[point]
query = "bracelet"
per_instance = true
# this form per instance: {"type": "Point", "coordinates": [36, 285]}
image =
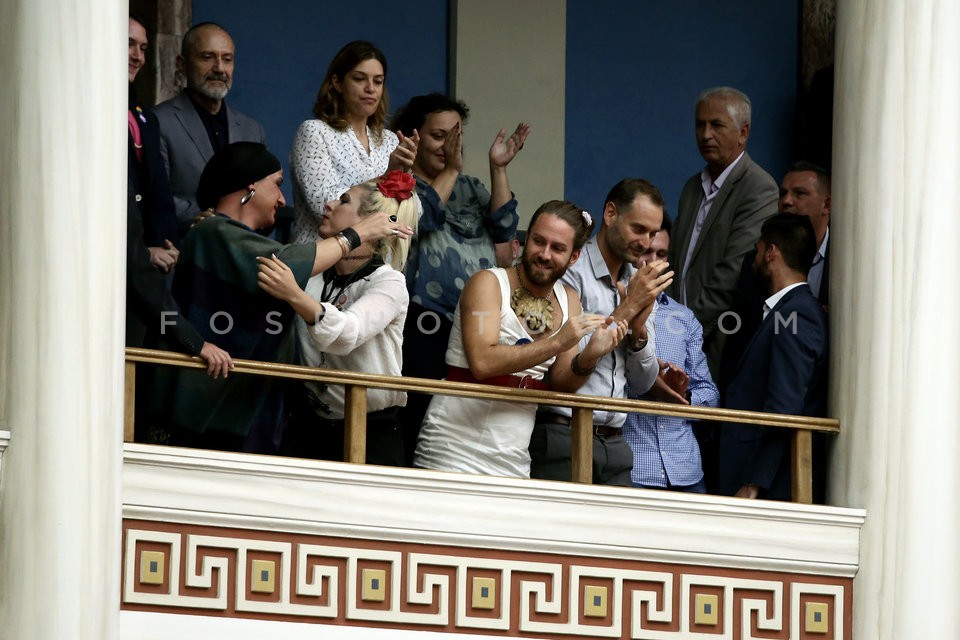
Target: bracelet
{"type": "Point", "coordinates": [577, 369]}
{"type": "Point", "coordinates": [317, 317]}
{"type": "Point", "coordinates": [352, 237]}
{"type": "Point", "coordinates": [344, 245]}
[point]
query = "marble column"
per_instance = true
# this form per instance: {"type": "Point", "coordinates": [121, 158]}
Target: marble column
{"type": "Point", "coordinates": [62, 236]}
{"type": "Point", "coordinates": [894, 305]}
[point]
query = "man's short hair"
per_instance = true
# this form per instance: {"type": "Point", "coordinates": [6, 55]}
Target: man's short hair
{"type": "Point", "coordinates": [794, 237]}
{"type": "Point", "coordinates": [190, 37]}
{"type": "Point", "coordinates": [823, 176]}
{"type": "Point", "coordinates": [738, 103]}
{"type": "Point", "coordinates": [413, 114]}
{"type": "Point", "coordinates": [626, 191]}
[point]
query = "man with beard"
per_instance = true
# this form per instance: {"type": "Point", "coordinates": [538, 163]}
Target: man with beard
{"type": "Point", "coordinates": [515, 327]}
{"type": "Point", "coordinates": [198, 123]}
{"type": "Point", "coordinates": [611, 281]}
{"type": "Point", "coordinates": [782, 370]}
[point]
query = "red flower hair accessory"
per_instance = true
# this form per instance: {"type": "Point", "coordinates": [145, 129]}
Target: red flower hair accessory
{"type": "Point", "coordinates": [397, 184]}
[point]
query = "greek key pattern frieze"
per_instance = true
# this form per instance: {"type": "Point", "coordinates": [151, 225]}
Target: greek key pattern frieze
{"type": "Point", "coordinates": [211, 571]}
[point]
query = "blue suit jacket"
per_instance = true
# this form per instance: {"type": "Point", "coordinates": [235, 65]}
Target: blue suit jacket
{"type": "Point", "coordinates": [148, 179]}
{"type": "Point", "coordinates": [783, 370]}
{"type": "Point", "coordinates": [185, 147]}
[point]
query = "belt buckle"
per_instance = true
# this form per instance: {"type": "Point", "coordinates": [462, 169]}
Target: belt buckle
{"type": "Point", "coordinates": [524, 381]}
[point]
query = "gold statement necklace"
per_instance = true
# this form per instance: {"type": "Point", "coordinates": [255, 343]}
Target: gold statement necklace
{"type": "Point", "coordinates": [537, 313]}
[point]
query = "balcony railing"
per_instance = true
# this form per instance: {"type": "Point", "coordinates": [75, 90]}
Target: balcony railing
{"type": "Point", "coordinates": [355, 413]}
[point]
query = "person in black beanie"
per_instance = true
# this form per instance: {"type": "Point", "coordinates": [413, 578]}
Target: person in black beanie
{"type": "Point", "coordinates": [216, 287]}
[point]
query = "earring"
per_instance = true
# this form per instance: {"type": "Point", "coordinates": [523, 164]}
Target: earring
{"type": "Point", "coordinates": [245, 199]}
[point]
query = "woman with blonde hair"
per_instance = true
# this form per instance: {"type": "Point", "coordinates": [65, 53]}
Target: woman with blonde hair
{"type": "Point", "coordinates": [346, 143]}
{"type": "Point", "coordinates": [351, 318]}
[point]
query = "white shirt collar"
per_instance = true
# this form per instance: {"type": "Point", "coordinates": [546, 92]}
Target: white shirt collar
{"type": "Point", "coordinates": [771, 302]}
{"type": "Point", "coordinates": [711, 185]}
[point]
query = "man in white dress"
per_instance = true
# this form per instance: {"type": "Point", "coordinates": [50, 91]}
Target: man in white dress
{"type": "Point", "coordinates": [516, 327]}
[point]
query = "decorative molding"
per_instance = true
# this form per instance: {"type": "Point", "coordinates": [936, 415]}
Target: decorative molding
{"type": "Point", "coordinates": [195, 487]}
{"type": "Point", "coordinates": [213, 571]}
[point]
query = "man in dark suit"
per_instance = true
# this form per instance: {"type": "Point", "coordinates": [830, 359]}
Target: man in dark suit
{"type": "Point", "coordinates": [805, 190]}
{"type": "Point", "coordinates": [719, 216]}
{"type": "Point", "coordinates": [145, 169]}
{"type": "Point", "coordinates": [782, 370]}
{"type": "Point", "coordinates": [198, 122]}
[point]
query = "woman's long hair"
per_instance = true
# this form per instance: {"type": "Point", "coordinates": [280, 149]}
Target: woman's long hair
{"type": "Point", "coordinates": [329, 106]}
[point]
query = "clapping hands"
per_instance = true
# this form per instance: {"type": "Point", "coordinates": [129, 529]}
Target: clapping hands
{"type": "Point", "coordinates": [505, 149]}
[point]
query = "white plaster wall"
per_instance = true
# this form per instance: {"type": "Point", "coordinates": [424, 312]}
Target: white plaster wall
{"type": "Point", "coordinates": [305, 497]}
{"type": "Point", "coordinates": [62, 234]}
{"type": "Point", "coordinates": [509, 63]}
{"type": "Point", "coordinates": [894, 304]}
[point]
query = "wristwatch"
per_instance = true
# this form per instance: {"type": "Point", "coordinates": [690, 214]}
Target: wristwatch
{"type": "Point", "coordinates": [638, 344]}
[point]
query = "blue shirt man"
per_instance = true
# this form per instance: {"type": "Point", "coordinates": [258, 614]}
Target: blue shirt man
{"type": "Point", "coordinates": [666, 454]}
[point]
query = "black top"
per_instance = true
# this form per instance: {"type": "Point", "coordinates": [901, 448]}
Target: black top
{"type": "Point", "coordinates": [215, 124]}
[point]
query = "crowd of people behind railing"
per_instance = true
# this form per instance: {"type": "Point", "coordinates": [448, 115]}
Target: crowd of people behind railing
{"type": "Point", "coordinates": [403, 265]}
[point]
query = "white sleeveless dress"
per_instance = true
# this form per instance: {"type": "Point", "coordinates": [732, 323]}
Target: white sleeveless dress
{"type": "Point", "coordinates": [474, 435]}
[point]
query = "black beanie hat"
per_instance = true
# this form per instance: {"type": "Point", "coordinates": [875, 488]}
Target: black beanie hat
{"type": "Point", "coordinates": [232, 169]}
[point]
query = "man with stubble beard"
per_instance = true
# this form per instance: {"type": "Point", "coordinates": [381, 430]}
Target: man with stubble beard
{"type": "Point", "coordinates": [515, 327]}
{"type": "Point", "coordinates": [198, 123]}
{"type": "Point", "coordinates": [611, 281]}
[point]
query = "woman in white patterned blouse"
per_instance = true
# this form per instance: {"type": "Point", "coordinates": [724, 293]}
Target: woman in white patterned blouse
{"type": "Point", "coordinates": [346, 144]}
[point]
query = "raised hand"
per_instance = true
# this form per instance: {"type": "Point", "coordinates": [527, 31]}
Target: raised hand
{"type": "Point", "coordinates": [380, 225]}
{"type": "Point", "coordinates": [605, 339]}
{"type": "Point", "coordinates": [647, 283]}
{"type": "Point", "coordinates": [453, 149]}
{"type": "Point", "coordinates": [403, 156]}
{"type": "Point", "coordinates": [504, 149]}
{"type": "Point", "coordinates": [577, 327]}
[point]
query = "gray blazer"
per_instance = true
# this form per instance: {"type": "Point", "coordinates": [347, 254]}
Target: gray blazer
{"type": "Point", "coordinates": [185, 148]}
{"type": "Point", "coordinates": [747, 198]}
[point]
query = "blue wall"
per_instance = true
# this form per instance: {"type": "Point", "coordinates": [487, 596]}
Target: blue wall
{"type": "Point", "coordinates": [283, 50]}
{"type": "Point", "coordinates": [634, 70]}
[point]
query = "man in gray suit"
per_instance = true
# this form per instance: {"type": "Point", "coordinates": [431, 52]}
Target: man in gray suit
{"type": "Point", "coordinates": [198, 122]}
{"type": "Point", "coordinates": [719, 217]}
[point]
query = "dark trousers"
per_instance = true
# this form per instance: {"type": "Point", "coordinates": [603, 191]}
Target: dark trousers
{"type": "Point", "coordinates": [425, 337]}
{"type": "Point", "coordinates": [310, 436]}
{"type": "Point", "coordinates": [550, 447]}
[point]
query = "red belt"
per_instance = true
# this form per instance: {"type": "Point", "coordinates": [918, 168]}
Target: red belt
{"type": "Point", "coordinates": [459, 374]}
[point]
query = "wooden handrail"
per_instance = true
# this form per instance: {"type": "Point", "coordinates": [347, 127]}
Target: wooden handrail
{"type": "Point", "coordinates": [582, 405]}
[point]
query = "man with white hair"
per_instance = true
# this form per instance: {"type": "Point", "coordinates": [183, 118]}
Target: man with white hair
{"type": "Point", "coordinates": [198, 123]}
{"type": "Point", "coordinates": [719, 217]}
